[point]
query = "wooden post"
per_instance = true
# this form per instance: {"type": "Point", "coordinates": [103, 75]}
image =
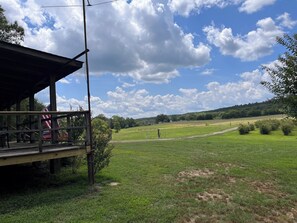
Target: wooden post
{"type": "Point", "coordinates": [53, 107]}
{"type": "Point", "coordinates": [91, 174]}
{"type": "Point", "coordinates": [18, 121]}
{"type": "Point", "coordinates": [69, 131]}
{"type": "Point", "coordinates": [40, 134]}
{"type": "Point", "coordinates": [31, 118]}
{"type": "Point", "coordinates": [90, 155]}
{"type": "Point", "coordinates": [8, 123]}
{"type": "Point", "coordinates": [55, 164]}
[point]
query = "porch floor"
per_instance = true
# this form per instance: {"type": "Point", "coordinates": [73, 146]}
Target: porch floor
{"type": "Point", "coordinates": [20, 153]}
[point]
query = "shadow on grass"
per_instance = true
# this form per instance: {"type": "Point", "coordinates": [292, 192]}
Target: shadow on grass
{"type": "Point", "coordinates": [25, 187]}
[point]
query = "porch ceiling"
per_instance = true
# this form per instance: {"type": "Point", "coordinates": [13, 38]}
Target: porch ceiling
{"type": "Point", "coordinates": [25, 71]}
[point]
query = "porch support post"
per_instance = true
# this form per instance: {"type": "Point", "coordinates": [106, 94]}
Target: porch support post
{"type": "Point", "coordinates": [52, 88]}
{"type": "Point", "coordinates": [18, 121]}
{"type": "Point", "coordinates": [55, 164]}
{"type": "Point", "coordinates": [31, 118]}
{"type": "Point", "coordinates": [53, 107]}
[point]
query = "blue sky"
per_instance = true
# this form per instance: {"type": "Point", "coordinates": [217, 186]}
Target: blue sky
{"type": "Point", "coordinates": [160, 56]}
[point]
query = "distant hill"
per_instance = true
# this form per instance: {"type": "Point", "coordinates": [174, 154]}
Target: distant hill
{"type": "Point", "coordinates": [270, 107]}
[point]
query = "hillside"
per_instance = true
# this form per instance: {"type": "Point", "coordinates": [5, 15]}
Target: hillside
{"type": "Point", "coordinates": [270, 107]}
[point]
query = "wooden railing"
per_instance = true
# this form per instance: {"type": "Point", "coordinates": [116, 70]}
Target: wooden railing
{"type": "Point", "coordinates": [66, 127]}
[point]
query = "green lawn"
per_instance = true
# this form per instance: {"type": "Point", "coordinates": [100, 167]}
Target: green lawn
{"type": "Point", "coordinates": [182, 129]}
{"type": "Point", "coordinates": [169, 131]}
{"type": "Point", "coordinates": [225, 178]}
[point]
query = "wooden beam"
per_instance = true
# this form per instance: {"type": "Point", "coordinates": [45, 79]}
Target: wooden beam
{"type": "Point", "coordinates": [42, 112]}
{"type": "Point", "coordinates": [53, 97]}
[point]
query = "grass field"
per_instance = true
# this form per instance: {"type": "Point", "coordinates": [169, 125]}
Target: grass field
{"type": "Point", "coordinates": [183, 129]}
{"type": "Point", "coordinates": [225, 178]}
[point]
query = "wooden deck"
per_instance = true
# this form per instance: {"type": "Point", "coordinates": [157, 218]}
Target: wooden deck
{"type": "Point", "coordinates": [19, 153]}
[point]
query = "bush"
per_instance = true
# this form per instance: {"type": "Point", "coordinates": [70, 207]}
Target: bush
{"type": "Point", "coordinates": [274, 124]}
{"type": "Point", "coordinates": [265, 128]}
{"type": "Point", "coordinates": [287, 126]}
{"type": "Point", "coordinates": [251, 127]}
{"type": "Point", "coordinates": [101, 135]}
{"type": "Point", "coordinates": [259, 123]}
{"type": "Point", "coordinates": [243, 129]}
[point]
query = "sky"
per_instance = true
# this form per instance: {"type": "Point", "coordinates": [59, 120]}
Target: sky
{"type": "Point", "coordinates": [150, 57]}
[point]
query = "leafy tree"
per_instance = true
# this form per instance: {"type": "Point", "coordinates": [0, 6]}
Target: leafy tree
{"type": "Point", "coordinates": [102, 117]}
{"type": "Point", "coordinates": [130, 122]}
{"type": "Point", "coordinates": [117, 126]}
{"type": "Point", "coordinates": [191, 116]}
{"type": "Point", "coordinates": [284, 75]}
{"type": "Point", "coordinates": [162, 118]}
{"type": "Point", "coordinates": [174, 118]}
{"type": "Point", "coordinates": [10, 32]}
{"type": "Point", "coordinates": [119, 120]}
{"type": "Point", "coordinates": [208, 116]}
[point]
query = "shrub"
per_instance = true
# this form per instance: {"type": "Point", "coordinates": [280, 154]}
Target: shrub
{"type": "Point", "coordinates": [251, 127]}
{"type": "Point", "coordinates": [274, 123]}
{"type": "Point", "coordinates": [258, 123]}
{"type": "Point", "coordinates": [243, 129]}
{"type": "Point", "coordinates": [287, 126]}
{"type": "Point", "coordinates": [101, 134]}
{"type": "Point", "coordinates": [265, 128]}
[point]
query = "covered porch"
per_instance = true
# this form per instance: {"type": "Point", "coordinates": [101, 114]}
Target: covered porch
{"type": "Point", "coordinates": [44, 135]}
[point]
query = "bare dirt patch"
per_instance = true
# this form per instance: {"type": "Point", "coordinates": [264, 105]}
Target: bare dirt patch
{"type": "Point", "coordinates": [267, 188]}
{"type": "Point", "coordinates": [281, 216]}
{"type": "Point", "coordinates": [231, 180]}
{"type": "Point", "coordinates": [202, 218]}
{"type": "Point", "coordinates": [185, 175]}
{"type": "Point", "coordinates": [214, 195]}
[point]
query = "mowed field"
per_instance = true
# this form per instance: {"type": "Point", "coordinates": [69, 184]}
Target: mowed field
{"type": "Point", "coordinates": [183, 129]}
{"type": "Point", "coordinates": [221, 178]}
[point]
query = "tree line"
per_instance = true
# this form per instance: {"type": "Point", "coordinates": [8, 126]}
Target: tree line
{"type": "Point", "coordinates": [271, 107]}
{"type": "Point", "coordinates": [117, 122]}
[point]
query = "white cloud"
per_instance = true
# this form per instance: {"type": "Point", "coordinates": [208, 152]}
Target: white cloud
{"type": "Point", "coordinates": [140, 39]}
{"type": "Point", "coordinates": [286, 21]}
{"type": "Point", "coordinates": [141, 103]}
{"type": "Point", "coordinates": [208, 71]}
{"type": "Point", "coordinates": [251, 6]}
{"type": "Point", "coordinates": [127, 85]}
{"type": "Point", "coordinates": [253, 45]}
{"type": "Point", "coordinates": [64, 81]}
{"type": "Point", "coordinates": [185, 7]}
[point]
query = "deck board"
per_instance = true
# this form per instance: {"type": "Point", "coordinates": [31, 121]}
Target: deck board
{"type": "Point", "coordinates": [29, 153]}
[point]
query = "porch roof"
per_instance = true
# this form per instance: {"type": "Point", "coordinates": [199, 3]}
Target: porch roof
{"type": "Point", "coordinates": [25, 71]}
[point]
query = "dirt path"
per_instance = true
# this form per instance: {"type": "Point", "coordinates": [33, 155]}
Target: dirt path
{"type": "Point", "coordinates": [178, 138]}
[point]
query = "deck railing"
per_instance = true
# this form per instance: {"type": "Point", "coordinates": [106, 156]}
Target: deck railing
{"type": "Point", "coordinates": [66, 127]}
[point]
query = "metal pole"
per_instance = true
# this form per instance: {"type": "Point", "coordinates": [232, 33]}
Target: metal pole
{"type": "Point", "coordinates": [90, 155]}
